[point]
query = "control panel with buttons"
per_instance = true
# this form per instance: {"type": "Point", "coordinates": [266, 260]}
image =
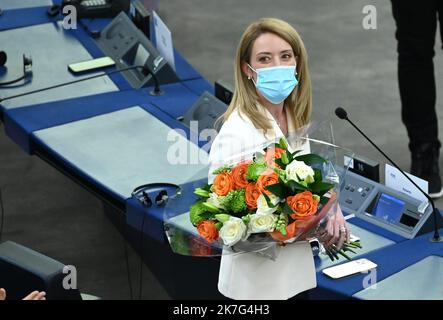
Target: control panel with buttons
{"type": "Point", "coordinates": [384, 207]}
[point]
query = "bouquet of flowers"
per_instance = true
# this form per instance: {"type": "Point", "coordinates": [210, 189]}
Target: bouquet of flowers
{"type": "Point", "coordinates": [278, 193]}
{"type": "Point", "coordinates": [276, 197]}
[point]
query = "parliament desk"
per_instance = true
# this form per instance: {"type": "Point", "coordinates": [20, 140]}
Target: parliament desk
{"type": "Point", "coordinates": [111, 138]}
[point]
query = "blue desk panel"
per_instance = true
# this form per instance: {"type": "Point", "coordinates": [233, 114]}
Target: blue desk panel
{"type": "Point", "coordinates": [18, 18]}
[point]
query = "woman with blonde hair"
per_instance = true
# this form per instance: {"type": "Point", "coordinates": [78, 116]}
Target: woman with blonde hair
{"type": "Point", "coordinates": [272, 99]}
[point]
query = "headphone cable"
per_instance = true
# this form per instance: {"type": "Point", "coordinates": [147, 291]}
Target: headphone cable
{"type": "Point", "coordinates": [7, 83]}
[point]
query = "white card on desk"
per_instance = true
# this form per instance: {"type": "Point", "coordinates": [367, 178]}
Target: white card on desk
{"type": "Point", "coordinates": [349, 268]}
{"type": "Point", "coordinates": [163, 39]}
{"type": "Point", "coordinates": [397, 181]}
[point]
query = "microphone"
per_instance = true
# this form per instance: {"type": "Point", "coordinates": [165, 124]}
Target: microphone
{"type": "Point", "coordinates": [145, 70]}
{"type": "Point", "coordinates": [342, 114]}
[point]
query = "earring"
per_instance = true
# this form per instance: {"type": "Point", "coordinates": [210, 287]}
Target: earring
{"type": "Point", "coordinates": [249, 77]}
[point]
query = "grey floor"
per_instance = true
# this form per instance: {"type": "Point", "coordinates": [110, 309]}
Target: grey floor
{"type": "Point", "coordinates": [350, 67]}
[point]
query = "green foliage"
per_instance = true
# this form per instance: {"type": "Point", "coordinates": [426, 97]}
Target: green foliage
{"type": "Point", "coordinates": [310, 159]}
{"type": "Point", "coordinates": [225, 168]}
{"type": "Point", "coordinates": [211, 208]}
{"type": "Point", "coordinates": [286, 209]}
{"type": "Point", "coordinates": [222, 217]}
{"type": "Point", "coordinates": [283, 143]}
{"type": "Point", "coordinates": [296, 187]}
{"type": "Point", "coordinates": [234, 201]}
{"type": "Point", "coordinates": [320, 187]}
{"type": "Point", "coordinates": [254, 170]}
{"type": "Point", "coordinates": [202, 192]}
{"type": "Point", "coordinates": [268, 201]}
{"type": "Point", "coordinates": [278, 189]}
{"type": "Point", "coordinates": [282, 223]}
{"type": "Point", "coordinates": [198, 213]}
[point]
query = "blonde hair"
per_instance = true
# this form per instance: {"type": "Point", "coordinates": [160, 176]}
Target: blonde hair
{"type": "Point", "coordinates": [245, 98]}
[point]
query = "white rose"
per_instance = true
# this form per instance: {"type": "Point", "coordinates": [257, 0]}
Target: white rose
{"type": "Point", "coordinates": [299, 169]}
{"type": "Point", "coordinates": [232, 231]}
{"type": "Point", "coordinates": [262, 205]}
{"type": "Point", "coordinates": [262, 222]}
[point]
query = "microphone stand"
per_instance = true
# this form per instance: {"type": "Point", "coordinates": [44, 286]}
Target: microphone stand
{"type": "Point", "coordinates": [436, 237]}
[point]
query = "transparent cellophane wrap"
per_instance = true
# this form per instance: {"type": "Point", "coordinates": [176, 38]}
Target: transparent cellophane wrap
{"type": "Point", "coordinates": [315, 138]}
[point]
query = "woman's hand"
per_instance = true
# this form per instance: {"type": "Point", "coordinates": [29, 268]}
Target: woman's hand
{"type": "Point", "coordinates": [36, 295]}
{"type": "Point", "coordinates": [336, 231]}
{"type": "Point", "coordinates": [2, 294]}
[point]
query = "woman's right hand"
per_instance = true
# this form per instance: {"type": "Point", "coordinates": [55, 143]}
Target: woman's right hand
{"type": "Point", "coordinates": [36, 295]}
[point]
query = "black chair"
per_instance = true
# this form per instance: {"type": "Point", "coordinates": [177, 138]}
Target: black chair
{"type": "Point", "coordinates": [23, 270]}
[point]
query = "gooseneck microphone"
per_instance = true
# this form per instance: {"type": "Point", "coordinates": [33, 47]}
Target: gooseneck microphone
{"type": "Point", "coordinates": [342, 114]}
{"type": "Point", "coordinates": [145, 70]}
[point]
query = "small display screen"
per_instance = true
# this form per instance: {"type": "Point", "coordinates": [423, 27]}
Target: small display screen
{"type": "Point", "coordinates": [388, 208]}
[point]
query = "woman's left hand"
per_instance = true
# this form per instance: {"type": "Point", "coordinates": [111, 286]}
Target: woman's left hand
{"type": "Point", "coordinates": [336, 231]}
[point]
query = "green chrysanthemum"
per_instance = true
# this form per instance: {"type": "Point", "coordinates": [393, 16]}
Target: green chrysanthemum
{"type": "Point", "coordinates": [198, 212]}
{"type": "Point", "coordinates": [234, 201]}
{"type": "Point", "coordinates": [254, 170]}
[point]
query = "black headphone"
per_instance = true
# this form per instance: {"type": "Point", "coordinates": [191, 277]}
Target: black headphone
{"type": "Point", "coordinates": [141, 193]}
{"type": "Point", "coordinates": [27, 68]}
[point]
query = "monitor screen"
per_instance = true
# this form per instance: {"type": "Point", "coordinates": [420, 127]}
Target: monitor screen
{"type": "Point", "coordinates": [388, 208]}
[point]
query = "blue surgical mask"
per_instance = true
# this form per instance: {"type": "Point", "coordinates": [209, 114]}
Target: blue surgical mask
{"type": "Point", "coordinates": [275, 83]}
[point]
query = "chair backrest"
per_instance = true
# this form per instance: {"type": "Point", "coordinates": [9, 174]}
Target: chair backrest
{"type": "Point", "coordinates": [23, 270]}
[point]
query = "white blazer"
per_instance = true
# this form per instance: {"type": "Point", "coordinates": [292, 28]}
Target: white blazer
{"type": "Point", "coordinates": [250, 276]}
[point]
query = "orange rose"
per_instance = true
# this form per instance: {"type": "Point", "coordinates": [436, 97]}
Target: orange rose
{"type": "Point", "coordinates": [239, 175]}
{"type": "Point", "coordinates": [272, 154]}
{"type": "Point", "coordinates": [252, 193]}
{"type": "Point", "coordinates": [267, 178]}
{"type": "Point", "coordinates": [302, 204]}
{"type": "Point", "coordinates": [208, 230]}
{"type": "Point", "coordinates": [223, 183]}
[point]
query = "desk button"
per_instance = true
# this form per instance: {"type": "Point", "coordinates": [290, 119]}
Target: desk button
{"type": "Point", "coordinates": [349, 201]}
{"type": "Point", "coordinates": [367, 188]}
{"type": "Point", "coordinates": [347, 187]}
{"type": "Point", "coordinates": [352, 189]}
{"type": "Point", "coordinates": [363, 194]}
{"type": "Point", "coordinates": [360, 189]}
